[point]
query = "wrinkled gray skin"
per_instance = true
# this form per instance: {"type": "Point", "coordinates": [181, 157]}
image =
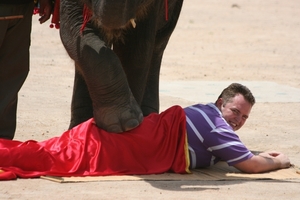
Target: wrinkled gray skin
{"type": "Point", "coordinates": [116, 66]}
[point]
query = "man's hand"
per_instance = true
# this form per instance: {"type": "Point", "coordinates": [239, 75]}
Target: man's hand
{"type": "Point", "coordinates": [45, 11]}
{"type": "Point", "coordinates": [264, 162]}
{"type": "Point", "coordinates": [284, 160]}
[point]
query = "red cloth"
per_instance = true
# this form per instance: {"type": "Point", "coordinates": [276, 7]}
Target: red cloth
{"type": "Point", "coordinates": [158, 145]}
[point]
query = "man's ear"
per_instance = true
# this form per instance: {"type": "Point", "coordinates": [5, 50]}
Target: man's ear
{"type": "Point", "coordinates": [219, 103]}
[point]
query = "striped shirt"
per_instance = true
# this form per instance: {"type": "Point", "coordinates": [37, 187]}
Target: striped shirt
{"type": "Point", "coordinates": [211, 138]}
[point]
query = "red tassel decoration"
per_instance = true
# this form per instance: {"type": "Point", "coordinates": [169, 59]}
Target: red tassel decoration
{"type": "Point", "coordinates": [55, 15]}
{"type": "Point", "coordinates": [35, 10]}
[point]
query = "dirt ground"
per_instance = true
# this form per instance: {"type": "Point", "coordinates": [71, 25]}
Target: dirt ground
{"type": "Point", "coordinates": [214, 41]}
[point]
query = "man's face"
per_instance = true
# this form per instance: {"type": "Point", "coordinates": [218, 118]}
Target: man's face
{"type": "Point", "coordinates": [235, 111]}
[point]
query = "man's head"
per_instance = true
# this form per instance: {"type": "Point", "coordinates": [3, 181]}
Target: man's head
{"type": "Point", "coordinates": [235, 103]}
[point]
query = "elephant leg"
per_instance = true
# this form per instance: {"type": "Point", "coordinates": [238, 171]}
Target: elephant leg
{"type": "Point", "coordinates": [114, 107]}
{"type": "Point", "coordinates": [135, 55]}
{"type": "Point", "coordinates": [81, 107]}
{"type": "Point", "coordinates": [150, 101]}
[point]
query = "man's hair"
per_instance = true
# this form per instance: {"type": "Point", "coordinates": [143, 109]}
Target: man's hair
{"type": "Point", "coordinates": [236, 88]}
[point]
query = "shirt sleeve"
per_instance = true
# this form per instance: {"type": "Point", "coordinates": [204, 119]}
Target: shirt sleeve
{"type": "Point", "coordinates": [225, 145]}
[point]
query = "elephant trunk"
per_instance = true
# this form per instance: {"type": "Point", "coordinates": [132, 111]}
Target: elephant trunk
{"type": "Point", "coordinates": [114, 14]}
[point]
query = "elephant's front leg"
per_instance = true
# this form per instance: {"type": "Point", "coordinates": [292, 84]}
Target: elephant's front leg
{"type": "Point", "coordinates": [101, 85]}
{"type": "Point", "coordinates": [114, 107]}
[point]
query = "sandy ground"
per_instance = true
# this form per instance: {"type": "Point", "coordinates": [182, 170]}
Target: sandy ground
{"type": "Point", "coordinates": [214, 41]}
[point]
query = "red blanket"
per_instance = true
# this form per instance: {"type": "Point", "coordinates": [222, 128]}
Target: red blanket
{"type": "Point", "coordinates": [158, 145]}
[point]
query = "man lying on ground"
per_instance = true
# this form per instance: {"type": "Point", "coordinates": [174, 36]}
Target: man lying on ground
{"type": "Point", "coordinates": [175, 140]}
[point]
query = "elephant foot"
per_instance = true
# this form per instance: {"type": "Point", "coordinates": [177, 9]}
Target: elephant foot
{"type": "Point", "coordinates": [118, 118]}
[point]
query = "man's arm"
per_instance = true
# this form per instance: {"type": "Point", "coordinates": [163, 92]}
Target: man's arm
{"type": "Point", "coordinates": [264, 162]}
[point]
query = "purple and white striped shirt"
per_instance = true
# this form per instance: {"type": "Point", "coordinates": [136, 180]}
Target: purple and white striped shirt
{"type": "Point", "coordinates": [211, 138]}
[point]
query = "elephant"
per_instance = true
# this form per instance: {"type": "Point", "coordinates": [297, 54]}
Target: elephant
{"type": "Point", "coordinates": [117, 47]}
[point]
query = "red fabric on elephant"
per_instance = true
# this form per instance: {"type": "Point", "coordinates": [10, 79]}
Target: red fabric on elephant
{"type": "Point", "coordinates": [158, 145]}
